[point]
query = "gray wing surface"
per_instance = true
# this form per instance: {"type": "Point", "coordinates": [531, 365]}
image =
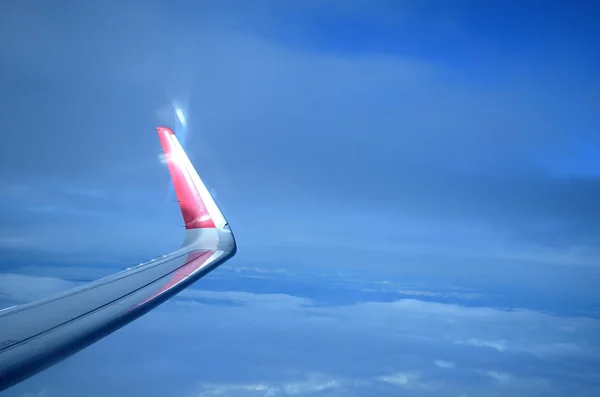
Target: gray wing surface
{"type": "Point", "coordinates": [39, 334]}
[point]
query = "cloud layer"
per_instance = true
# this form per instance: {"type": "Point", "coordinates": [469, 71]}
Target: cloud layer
{"type": "Point", "coordinates": [242, 343]}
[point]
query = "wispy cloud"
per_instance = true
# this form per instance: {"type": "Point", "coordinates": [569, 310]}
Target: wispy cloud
{"type": "Point", "coordinates": [445, 364]}
{"type": "Point", "coordinates": [499, 345]}
{"type": "Point", "coordinates": [313, 383]}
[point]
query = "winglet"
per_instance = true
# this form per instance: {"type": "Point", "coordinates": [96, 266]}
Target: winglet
{"type": "Point", "coordinates": [198, 207]}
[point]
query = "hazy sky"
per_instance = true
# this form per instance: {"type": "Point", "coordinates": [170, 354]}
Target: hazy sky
{"type": "Point", "coordinates": [454, 142]}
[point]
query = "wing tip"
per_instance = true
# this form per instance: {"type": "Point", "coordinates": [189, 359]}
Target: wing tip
{"type": "Point", "coordinates": [164, 130]}
{"type": "Point", "coordinates": [197, 204]}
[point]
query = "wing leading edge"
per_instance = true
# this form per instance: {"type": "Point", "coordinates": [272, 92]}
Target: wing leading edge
{"type": "Point", "coordinates": [37, 335]}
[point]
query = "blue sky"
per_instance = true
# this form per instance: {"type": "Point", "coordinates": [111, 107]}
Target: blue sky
{"type": "Point", "coordinates": [391, 169]}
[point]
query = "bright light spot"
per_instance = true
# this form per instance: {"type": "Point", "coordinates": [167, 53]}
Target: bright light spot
{"type": "Point", "coordinates": [180, 115]}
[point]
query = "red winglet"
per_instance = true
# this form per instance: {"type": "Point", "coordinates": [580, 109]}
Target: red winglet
{"type": "Point", "coordinates": [195, 214]}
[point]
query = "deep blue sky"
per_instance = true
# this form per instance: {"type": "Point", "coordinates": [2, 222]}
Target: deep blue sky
{"type": "Point", "coordinates": [421, 146]}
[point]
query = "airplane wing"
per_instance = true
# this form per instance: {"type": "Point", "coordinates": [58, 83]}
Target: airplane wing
{"type": "Point", "coordinates": [37, 335]}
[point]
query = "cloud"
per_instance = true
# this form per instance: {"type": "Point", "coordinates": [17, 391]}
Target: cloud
{"type": "Point", "coordinates": [445, 364]}
{"type": "Point", "coordinates": [232, 342]}
{"type": "Point", "coordinates": [530, 385]}
{"type": "Point", "coordinates": [499, 345]}
{"type": "Point", "coordinates": [17, 288]}
{"type": "Point", "coordinates": [387, 385]}
{"type": "Point", "coordinates": [436, 294]}
{"type": "Point", "coordinates": [500, 376]}
{"type": "Point", "coordinates": [318, 384]}
{"type": "Point", "coordinates": [313, 383]}
{"type": "Point", "coordinates": [406, 380]}
{"type": "Point", "coordinates": [264, 301]}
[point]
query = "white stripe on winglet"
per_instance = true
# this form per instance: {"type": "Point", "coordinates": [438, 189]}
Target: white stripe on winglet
{"type": "Point", "coordinates": [214, 211]}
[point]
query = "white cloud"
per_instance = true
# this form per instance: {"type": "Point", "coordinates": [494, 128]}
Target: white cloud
{"type": "Point", "coordinates": [20, 288]}
{"type": "Point", "coordinates": [405, 380]}
{"type": "Point", "coordinates": [499, 376]}
{"type": "Point", "coordinates": [500, 345]}
{"type": "Point", "coordinates": [257, 344]}
{"type": "Point", "coordinates": [445, 364]}
{"type": "Point", "coordinates": [559, 348]}
{"type": "Point", "coordinates": [264, 301]}
{"type": "Point", "coordinates": [508, 382]}
{"type": "Point", "coordinates": [439, 294]}
{"type": "Point", "coordinates": [313, 383]}
{"type": "Point", "coordinates": [253, 389]}
{"type": "Point", "coordinates": [517, 330]}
